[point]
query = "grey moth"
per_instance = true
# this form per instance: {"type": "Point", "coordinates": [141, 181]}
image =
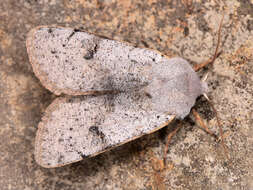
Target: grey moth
{"type": "Point", "coordinates": [118, 92]}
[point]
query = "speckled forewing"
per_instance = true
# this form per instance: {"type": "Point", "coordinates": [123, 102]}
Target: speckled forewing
{"type": "Point", "coordinates": [81, 127]}
{"type": "Point", "coordinates": [74, 62]}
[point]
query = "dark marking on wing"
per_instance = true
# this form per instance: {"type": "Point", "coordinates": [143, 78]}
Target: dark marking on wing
{"type": "Point", "coordinates": [53, 51]}
{"type": "Point", "coordinates": [95, 130]}
{"type": "Point", "coordinates": [148, 95]}
{"type": "Point", "coordinates": [77, 30]}
{"type": "Point", "coordinates": [82, 155]}
{"type": "Point", "coordinates": [90, 53]}
{"type": "Point", "coordinates": [60, 158]}
{"type": "Point", "coordinates": [73, 33]}
{"type": "Point", "coordinates": [50, 30]}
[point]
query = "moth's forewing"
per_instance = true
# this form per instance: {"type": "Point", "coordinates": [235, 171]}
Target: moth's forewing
{"type": "Point", "coordinates": [73, 62]}
{"type": "Point", "coordinates": [75, 128]}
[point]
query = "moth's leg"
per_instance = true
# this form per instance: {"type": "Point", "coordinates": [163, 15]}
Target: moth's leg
{"type": "Point", "coordinates": [201, 123]}
{"type": "Point", "coordinates": [216, 54]}
{"type": "Point", "coordinates": [220, 130]}
{"type": "Point", "coordinates": [169, 137]}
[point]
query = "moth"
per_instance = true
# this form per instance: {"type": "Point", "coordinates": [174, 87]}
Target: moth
{"type": "Point", "coordinates": [116, 92]}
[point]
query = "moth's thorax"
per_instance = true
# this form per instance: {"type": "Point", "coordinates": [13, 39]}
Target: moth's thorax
{"type": "Point", "coordinates": [174, 89]}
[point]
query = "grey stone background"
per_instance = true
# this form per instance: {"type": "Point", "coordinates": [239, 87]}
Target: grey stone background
{"type": "Point", "coordinates": [186, 28]}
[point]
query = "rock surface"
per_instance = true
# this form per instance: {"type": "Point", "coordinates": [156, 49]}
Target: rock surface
{"type": "Point", "coordinates": [176, 28]}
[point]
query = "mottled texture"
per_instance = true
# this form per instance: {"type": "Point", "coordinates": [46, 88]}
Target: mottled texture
{"type": "Point", "coordinates": [73, 62]}
{"type": "Point", "coordinates": [151, 85]}
{"type": "Point", "coordinates": [75, 128]}
{"type": "Point", "coordinates": [180, 28]}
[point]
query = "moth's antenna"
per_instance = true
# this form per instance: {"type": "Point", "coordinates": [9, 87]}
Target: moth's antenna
{"type": "Point", "coordinates": [216, 115]}
{"type": "Point", "coordinates": [216, 54]}
{"type": "Point", "coordinates": [198, 67]}
{"type": "Point", "coordinates": [220, 128]}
